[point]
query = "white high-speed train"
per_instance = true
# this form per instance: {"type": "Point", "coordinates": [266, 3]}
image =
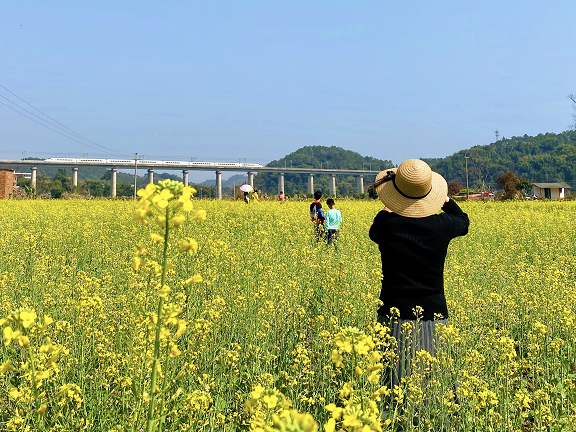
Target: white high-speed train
{"type": "Point", "coordinates": [155, 162]}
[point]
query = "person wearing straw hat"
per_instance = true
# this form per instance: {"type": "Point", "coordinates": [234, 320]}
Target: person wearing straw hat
{"type": "Point", "coordinates": [413, 241]}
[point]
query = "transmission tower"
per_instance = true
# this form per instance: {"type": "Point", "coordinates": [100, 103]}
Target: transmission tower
{"type": "Point", "coordinates": [497, 132]}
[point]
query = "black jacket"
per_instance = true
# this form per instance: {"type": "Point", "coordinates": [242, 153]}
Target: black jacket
{"type": "Point", "coordinates": [413, 251]}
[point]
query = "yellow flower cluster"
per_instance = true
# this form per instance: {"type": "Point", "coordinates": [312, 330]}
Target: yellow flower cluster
{"type": "Point", "coordinates": [160, 196]}
{"type": "Point", "coordinates": [271, 411]}
{"type": "Point", "coordinates": [359, 359]}
{"type": "Point", "coordinates": [38, 371]}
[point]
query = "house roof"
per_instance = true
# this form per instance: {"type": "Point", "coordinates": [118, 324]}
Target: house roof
{"type": "Point", "coordinates": [558, 185]}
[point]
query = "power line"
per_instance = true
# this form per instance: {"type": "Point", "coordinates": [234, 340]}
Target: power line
{"type": "Point", "coordinates": [43, 113]}
{"type": "Point", "coordinates": [42, 124]}
{"type": "Point", "coordinates": [38, 117]}
{"type": "Point", "coordinates": [56, 121]}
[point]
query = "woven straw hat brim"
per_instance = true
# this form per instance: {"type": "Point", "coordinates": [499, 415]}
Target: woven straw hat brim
{"type": "Point", "coordinates": [415, 208]}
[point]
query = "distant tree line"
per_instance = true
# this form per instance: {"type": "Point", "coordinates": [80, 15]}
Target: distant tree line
{"type": "Point", "coordinates": [544, 158]}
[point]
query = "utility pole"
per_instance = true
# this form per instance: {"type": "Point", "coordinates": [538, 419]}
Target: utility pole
{"type": "Point", "coordinates": [135, 173]}
{"type": "Point", "coordinates": [467, 190]}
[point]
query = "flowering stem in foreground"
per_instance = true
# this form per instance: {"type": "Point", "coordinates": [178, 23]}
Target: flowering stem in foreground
{"type": "Point", "coordinates": [360, 379]}
{"type": "Point", "coordinates": [150, 420]}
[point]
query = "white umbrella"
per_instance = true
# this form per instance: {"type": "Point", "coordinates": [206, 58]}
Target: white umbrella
{"type": "Point", "coordinates": [246, 188]}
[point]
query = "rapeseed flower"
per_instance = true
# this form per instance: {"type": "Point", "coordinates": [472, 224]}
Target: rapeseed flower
{"type": "Point", "coordinates": [27, 318]}
{"type": "Point", "coordinates": [276, 318]}
{"type": "Point", "coordinates": [7, 367]}
{"type": "Point", "coordinates": [193, 279]}
{"type": "Point", "coordinates": [188, 246]}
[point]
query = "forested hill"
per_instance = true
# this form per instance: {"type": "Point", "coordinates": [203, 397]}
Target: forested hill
{"type": "Point", "coordinates": [320, 157]}
{"type": "Point", "coordinates": [543, 158]}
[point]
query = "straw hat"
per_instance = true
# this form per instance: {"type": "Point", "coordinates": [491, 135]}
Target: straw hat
{"type": "Point", "coordinates": [412, 189]}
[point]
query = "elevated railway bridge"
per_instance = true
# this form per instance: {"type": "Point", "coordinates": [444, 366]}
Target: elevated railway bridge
{"type": "Point", "coordinates": [114, 165]}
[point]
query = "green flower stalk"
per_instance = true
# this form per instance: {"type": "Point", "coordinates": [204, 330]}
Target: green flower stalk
{"type": "Point", "coordinates": [165, 204]}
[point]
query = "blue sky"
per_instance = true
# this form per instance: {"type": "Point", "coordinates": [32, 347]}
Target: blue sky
{"type": "Point", "coordinates": [227, 80]}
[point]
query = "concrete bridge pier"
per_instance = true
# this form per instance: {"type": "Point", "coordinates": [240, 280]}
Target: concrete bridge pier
{"type": "Point", "coordinates": [219, 184]}
{"type": "Point", "coordinates": [311, 183]}
{"type": "Point", "coordinates": [333, 185]}
{"type": "Point", "coordinates": [360, 184]}
{"type": "Point", "coordinates": [113, 183]}
{"type": "Point", "coordinates": [33, 177]}
{"type": "Point", "coordinates": [150, 175]}
{"type": "Point", "coordinates": [74, 176]}
{"type": "Point", "coordinates": [281, 182]}
{"type": "Point", "coordinates": [185, 177]}
{"type": "Point", "coordinates": [251, 178]}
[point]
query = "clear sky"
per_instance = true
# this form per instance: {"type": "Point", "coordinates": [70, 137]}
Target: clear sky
{"type": "Point", "coordinates": [225, 80]}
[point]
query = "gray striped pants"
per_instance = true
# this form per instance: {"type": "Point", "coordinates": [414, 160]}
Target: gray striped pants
{"type": "Point", "coordinates": [412, 336]}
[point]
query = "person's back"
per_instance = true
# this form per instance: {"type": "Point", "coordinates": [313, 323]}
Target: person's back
{"type": "Point", "coordinates": [317, 214]}
{"type": "Point", "coordinates": [332, 221]}
{"type": "Point", "coordinates": [413, 252]}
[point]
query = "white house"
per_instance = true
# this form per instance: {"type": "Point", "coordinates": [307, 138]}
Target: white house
{"type": "Point", "coordinates": [551, 190]}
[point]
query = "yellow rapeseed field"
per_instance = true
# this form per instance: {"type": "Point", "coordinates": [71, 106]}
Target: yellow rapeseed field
{"type": "Point", "coordinates": [178, 314]}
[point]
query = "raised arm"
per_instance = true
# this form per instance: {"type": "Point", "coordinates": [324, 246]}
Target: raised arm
{"type": "Point", "coordinates": [459, 219]}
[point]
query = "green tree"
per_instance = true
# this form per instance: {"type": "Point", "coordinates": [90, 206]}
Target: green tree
{"type": "Point", "coordinates": [43, 184]}
{"type": "Point", "coordinates": [124, 189]}
{"type": "Point", "coordinates": [65, 181]}
{"type": "Point", "coordinates": [56, 189]}
{"type": "Point", "coordinates": [524, 185]}
{"type": "Point", "coordinates": [21, 181]}
{"type": "Point", "coordinates": [94, 187]}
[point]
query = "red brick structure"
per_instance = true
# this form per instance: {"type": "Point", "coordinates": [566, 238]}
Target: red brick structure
{"type": "Point", "coordinates": [6, 183]}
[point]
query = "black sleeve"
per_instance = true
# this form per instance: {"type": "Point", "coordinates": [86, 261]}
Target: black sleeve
{"type": "Point", "coordinates": [377, 227]}
{"type": "Point", "coordinates": [451, 207]}
{"type": "Point", "coordinates": [459, 220]}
